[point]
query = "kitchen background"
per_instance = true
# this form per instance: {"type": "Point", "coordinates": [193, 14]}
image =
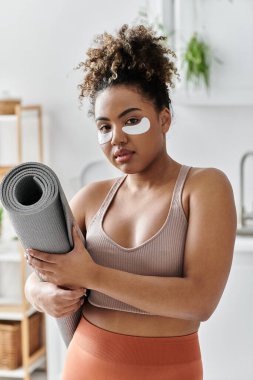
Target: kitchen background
{"type": "Point", "coordinates": [40, 44]}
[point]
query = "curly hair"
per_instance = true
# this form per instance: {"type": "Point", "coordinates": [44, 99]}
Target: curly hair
{"type": "Point", "coordinates": [135, 56]}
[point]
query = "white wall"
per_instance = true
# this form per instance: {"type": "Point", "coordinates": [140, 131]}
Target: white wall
{"type": "Point", "coordinates": [213, 137]}
{"type": "Point", "coordinates": [41, 42]}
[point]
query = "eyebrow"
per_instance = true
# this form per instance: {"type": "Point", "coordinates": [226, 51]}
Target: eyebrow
{"type": "Point", "coordinates": [120, 115]}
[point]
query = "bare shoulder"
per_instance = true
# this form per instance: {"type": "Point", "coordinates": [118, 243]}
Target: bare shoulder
{"type": "Point", "coordinates": [206, 176]}
{"type": "Point", "coordinates": [212, 212]}
{"type": "Point", "coordinates": [212, 181]}
{"type": "Point", "coordinates": [86, 202]}
{"type": "Point", "coordinates": [211, 188]}
{"type": "Point", "coordinates": [204, 184]}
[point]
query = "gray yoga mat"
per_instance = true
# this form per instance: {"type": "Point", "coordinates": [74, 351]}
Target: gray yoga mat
{"type": "Point", "coordinates": [36, 204]}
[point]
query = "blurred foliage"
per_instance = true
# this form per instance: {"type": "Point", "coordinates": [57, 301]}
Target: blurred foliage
{"type": "Point", "coordinates": [144, 19]}
{"type": "Point", "coordinates": [197, 58]}
{"type": "Point", "coordinates": [197, 61]}
{"type": "Point", "coordinates": [197, 55]}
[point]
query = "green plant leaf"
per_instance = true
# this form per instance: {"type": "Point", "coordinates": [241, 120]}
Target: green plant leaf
{"type": "Point", "coordinates": [196, 59]}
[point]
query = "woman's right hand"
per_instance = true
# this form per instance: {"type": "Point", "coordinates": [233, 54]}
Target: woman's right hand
{"type": "Point", "coordinates": [49, 298]}
{"type": "Point", "coordinates": [58, 302]}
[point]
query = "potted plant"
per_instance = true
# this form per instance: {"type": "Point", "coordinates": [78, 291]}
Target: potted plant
{"type": "Point", "coordinates": [197, 61]}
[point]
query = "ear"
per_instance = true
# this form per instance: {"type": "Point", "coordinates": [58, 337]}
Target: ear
{"type": "Point", "coordinates": [165, 119]}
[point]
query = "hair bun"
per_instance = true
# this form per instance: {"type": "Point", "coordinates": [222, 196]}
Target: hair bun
{"type": "Point", "coordinates": [134, 54]}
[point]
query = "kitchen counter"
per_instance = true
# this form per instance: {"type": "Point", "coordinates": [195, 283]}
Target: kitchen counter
{"type": "Point", "coordinates": [244, 244]}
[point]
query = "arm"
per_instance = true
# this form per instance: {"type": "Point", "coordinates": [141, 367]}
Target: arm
{"type": "Point", "coordinates": [48, 297]}
{"type": "Point", "coordinates": [208, 258]}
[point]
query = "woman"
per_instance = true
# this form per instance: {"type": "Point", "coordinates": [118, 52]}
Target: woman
{"type": "Point", "coordinates": [159, 239]}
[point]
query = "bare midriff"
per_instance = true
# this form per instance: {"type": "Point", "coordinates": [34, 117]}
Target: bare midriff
{"type": "Point", "coordinates": [138, 324]}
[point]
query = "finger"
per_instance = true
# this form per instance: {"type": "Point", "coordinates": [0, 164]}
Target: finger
{"type": "Point", "coordinates": [38, 274]}
{"type": "Point", "coordinates": [41, 276]}
{"type": "Point", "coordinates": [43, 256]}
{"type": "Point", "coordinates": [73, 303]}
{"type": "Point", "coordinates": [45, 273]}
{"type": "Point", "coordinates": [72, 294]}
{"type": "Point", "coordinates": [40, 265]}
{"type": "Point", "coordinates": [71, 309]}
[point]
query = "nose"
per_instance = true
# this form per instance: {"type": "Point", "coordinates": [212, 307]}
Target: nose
{"type": "Point", "coordinates": [118, 136]}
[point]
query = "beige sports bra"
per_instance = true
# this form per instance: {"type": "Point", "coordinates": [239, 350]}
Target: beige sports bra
{"type": "Point", "coordinates": [161, 255]}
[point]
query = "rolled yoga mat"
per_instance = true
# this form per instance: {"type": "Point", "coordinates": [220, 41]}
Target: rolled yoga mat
{"type": "Point", "coordinates": [33, 197]}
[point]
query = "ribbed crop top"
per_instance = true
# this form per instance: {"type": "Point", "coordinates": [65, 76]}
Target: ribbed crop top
{"type": "Point", "coordinates": [161, 255]}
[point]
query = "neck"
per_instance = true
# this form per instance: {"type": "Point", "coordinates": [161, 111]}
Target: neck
{"type": "Point", "coordinates": [156, 175]}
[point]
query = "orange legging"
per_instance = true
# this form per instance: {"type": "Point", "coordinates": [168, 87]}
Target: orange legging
{"type": "Point", "coordinates": [98, 354]}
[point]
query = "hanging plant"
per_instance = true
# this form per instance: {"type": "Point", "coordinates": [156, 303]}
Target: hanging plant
{"type": "Point", "coordinates": [197, 61]}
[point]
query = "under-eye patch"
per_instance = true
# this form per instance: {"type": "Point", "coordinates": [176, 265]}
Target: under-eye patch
{"type": "Point", "coordinates": [104, 137]}
{"type": "Point", "coordinates": [137, 129]}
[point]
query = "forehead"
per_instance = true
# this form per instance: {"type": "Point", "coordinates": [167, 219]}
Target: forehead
{"type": "Point", "coordinates": [116, 99]}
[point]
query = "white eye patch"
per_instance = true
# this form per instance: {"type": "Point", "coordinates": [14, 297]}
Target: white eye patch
{"type": "Point", "coordinates": [142, 127]}
{"type": "Point", "coordinates": [137, 129]}
{"type": "Point", "coordinates": [104, 137]}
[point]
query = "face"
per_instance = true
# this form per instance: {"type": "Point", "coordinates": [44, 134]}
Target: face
{"type": "Point", "coordinates": [131, 132]}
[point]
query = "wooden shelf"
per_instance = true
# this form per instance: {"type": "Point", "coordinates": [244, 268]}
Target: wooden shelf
{"type": "Point", "coordinates": [11, 251]}
{"type": "Point", "coordinates": [17, 121]}
{"type": "Point", "coordinates": [4, 170]}
{"type": "Point", "coordinates": [36, 360]}
{"type": "Point", "coordinates": [7, 118]}
{"type": "Point", "coordinates": [14, 312]}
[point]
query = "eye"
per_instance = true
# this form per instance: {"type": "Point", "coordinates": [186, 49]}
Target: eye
{"type": "Point", "coordinates": [104, 128]}
{"type": "Point", "coordinates": [132, 121]}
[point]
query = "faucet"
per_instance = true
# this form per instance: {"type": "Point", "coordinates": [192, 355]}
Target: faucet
{"type": "Point", "coordinates": [244, 215]}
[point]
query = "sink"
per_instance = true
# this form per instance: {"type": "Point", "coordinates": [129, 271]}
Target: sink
{"type": "Point", "coordinates": [245, 231]}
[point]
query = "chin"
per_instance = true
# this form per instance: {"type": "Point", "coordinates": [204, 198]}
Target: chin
{"type": "Point", "coordinates": [124, 168]}
{"type": "Point", "coordinates": [130, 170]}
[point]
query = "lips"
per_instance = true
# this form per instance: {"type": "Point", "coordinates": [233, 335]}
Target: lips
{"type": "Point", "coordinates": [123, 152]}
{"type": "Point", "coordinates": [123, 155]}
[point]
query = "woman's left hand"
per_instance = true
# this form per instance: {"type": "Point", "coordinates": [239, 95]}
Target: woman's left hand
{"type": "Point", "coordinates": [74, 269]}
